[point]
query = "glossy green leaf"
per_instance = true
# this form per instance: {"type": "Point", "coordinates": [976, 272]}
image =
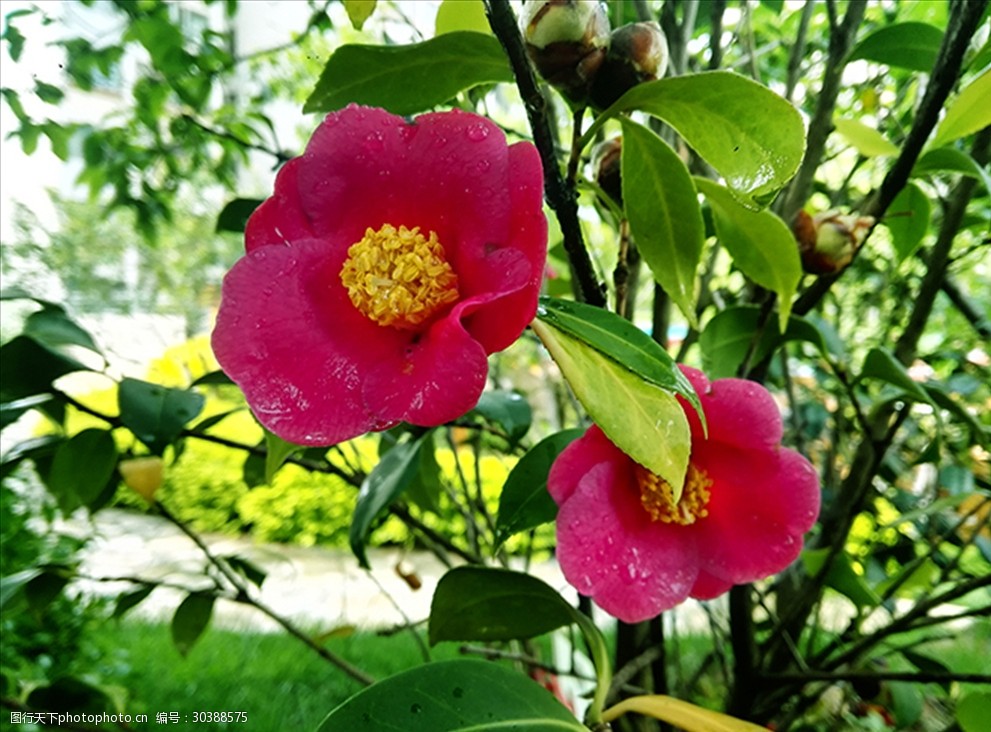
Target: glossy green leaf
{"type": "Point", "coordinates": [524, 502]}
{"type": "Point", "coordinates": [761, 245]}
{"type": "Point", "coordinates": [489, 604]}
{"type": "Point", "coordinates": [461, 15]}
{"type": "Point", "coordinates": [277, 451]}
{"type": "Point", "coordinates": [968, 113]}
{"type": "Point", "coordinates": [409, 79]}
{"type": "Point", "coordinates": [908, 220]}
{"type": "Point", "coordinates": [52, 327]}
{"type": "Point", "coordinates": [909, 45]}
{"type": "Point", "coordinates": [754, 138]}
{"type": "Point", "coordinates": [906, 702]}
{"type": "Point", "coordinates": [191, 618]}
{"type": "Point", "coordinates": [951, 160]}
{"type": "Point", "coordinates": [359, 11]}
{"type": "Point", "coordinates": [392, 475]}
{"type": "Point", "coordinates": [508, 410]}
{"type": "Point", "coordinates": [642, 419]}
{"type": "Point", "coordinates": [82, 467]}
{"type": "Point", "coordinates": [29, 368]}
{"type": "Point", "coordinates": [453, 696]}
{"type": "Point", "coordinates": [156, 414]}
{"type": "Point", "coordinates": [840, 576]}
{"type": "Point", "coordinates": [727, 338]}
{"type": "Point", "coordinates": [868, 141]}
{"type": "Point", "coordinates": [235, 214]}
{"type": "Point", "coordinates": [663, 209]}
{"type": "Point", "coordinates": [974, 711]}
{"type": "Point", "coordinates": [620, 340]}
{"type": "Point", "coordinates": [880, 364]}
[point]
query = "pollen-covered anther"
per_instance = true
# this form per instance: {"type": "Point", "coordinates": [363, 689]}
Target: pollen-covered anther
{"type": "Point", "coordinates": [399, 277]}
{"type": "Point", "coordinates": [657, 498]}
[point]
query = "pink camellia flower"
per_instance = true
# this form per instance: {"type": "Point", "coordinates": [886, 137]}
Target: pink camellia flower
{"type": "Point", "coordinates": [392, 259]}
{"type": "Point", "coordinates": [747, 502]}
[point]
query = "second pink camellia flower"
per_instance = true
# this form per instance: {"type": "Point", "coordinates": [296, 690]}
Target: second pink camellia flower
{"type": "Point", "coordinates": [393, 257]}
{"type": "Point", "coordinates": [746, 504]}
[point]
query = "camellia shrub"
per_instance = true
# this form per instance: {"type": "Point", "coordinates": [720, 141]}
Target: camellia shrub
{"type": "Point", "coordinates": [731, 256]}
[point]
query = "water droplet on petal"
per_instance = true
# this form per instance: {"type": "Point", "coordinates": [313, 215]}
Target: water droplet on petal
{"type": "Point", "coordinates": [477, 132]}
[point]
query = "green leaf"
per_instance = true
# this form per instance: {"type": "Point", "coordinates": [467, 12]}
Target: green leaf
{"type": "Point", "coordinates": [251, 571]}
{"type": "Point", "coordinates": [868, 141]}
{"type": "Point", "coordinates": [126, 601]}
{"type": "Point", "coordinates": [908, 220]}
{"type": "Point", "coordinates": [488, 604]}
{"type": "Point", "coordinates": [29, 368]}
{"type": "Point", "coordinates": [48, 92]}
{"type": "Point", "coordinates": [665, 218]}
{"type": "Point", "coordinates": [949, 159]}
{"type": "Point", "coordinates": [524, 502]}
{"type": "Point", "coordinates": [974, 711]}
{"type": "Point", "coordinates": [461, 15]}
{"type": "Point", "coordinates": [909, 45]}
{"type": "Point", "coordinates": [453, 696]}
{"type": "Point", "coordinates": [394, 474]}
{"type": "Point", "coordinates": [52, 327]}
{"type": "Point", "coordinates": [761, 245]}
{"type": "Point", "coordinates": [12, 589]}
{"type": "Point", "coordinates": [728, 336]}
{"type": "Point", "coordinates": [82, 468]}
{"type": "Point", "coordinates": [510, 411]}
{"type": "Point", "coordinates": [906, 702]}
{"type": "Point", "coordinates": [277, 451]}
{"type": "Point", "coordinates": [154, 413]}
{"type": "Point", "coordinates": [359, 11]}
{"type": "Point", "coordinates": [234, 216]}
{"type": "Point", "coordinates": [190, 620]}
{"type": "Point", "coordinates": [213, 378]}
{"type": "Point", "coordinates": [968, 113]}
{"type": "Point", "coordinates": [754, 138]}
{"type": "Point", "coordinates": [409, 79]}
{"type": "Point", "coordinates": [841, 577]}
{"type": "Point", "coordinates": [42, 590]}
{"type": "Point", "coordinates": [642, 419]}
{"type": "Point", "coordinates": [67, 694]}
{"type": "Point", "coordinates": [880, 364]}
{"type": "Point", "coordinates": [620, 340]}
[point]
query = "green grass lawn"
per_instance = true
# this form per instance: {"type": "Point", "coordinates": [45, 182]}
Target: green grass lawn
{"type": "Point", "coordinates": [277, 681]}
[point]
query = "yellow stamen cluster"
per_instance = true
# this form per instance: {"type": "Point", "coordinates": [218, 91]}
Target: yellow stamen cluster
{"type": "Point", "coordinates": [657, 498]}
{"type": "Point", "coordinates": [399, 277]}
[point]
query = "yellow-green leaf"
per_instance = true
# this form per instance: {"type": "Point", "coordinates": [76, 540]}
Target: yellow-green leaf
{"type": "Point", "coordinates": [461, 15]}
{"type": "Point", "coordinates": [869, 142]}
{"type": "Point", "coordinates": [681, 714]}
{"type": "Point", "coordinates": [359, 11]}
{"type": "Point", "coordinates": [642, 419]}
{"type": "Point", "coordinates": [968, 113]}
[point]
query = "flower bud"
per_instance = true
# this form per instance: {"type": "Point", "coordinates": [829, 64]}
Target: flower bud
{"type": "Point", "coordinates": [638, 52]}
{"type": "Point", "coordinates": [143, 475]}
{"type": "Point", "coordinates": [606, 157]}
{"type": "Point", "coordinates": [828, 241]}
{"type": "Point", "coordinates": [566, 40]}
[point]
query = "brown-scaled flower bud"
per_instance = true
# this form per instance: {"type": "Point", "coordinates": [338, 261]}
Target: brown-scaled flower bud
{"type": "Point", "coordinates": [828, 241]}
{"type": "Point", "coordinates": [638, 52]}
{"type": "Point", "coordinates": [606, 164]}
{"type": "Point", "coordinates": [566, 40]}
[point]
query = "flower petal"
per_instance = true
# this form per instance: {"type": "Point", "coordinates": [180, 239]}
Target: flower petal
{"type": "Point", "coordinates": [517, 269]}
{"type": "Point", "coordinates": [707, 587]}
{"type": "Point", "coordinates": [738, 412]}
{"type": "Point", "coordinates": [296, 346]}
{"type": "Point", "coordinates": [578, 459]}
{"type": "Point", "coordinates": [365, 167]}
{"type": "Point", "coordinates": [609, 549]}
{"type": "Point", "coordinates": [432, 380]}
{"type": "Point", "coordinates": [761, 504]}
{"type": "Point", "coordinates": [280, 219]}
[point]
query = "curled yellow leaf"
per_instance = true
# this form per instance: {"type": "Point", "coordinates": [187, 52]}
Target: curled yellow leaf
{"type": "Point", "coordinates": [681, 714]}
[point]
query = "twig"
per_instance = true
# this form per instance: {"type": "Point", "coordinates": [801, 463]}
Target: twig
{"type": "Point", "coordinates": [560, 197]}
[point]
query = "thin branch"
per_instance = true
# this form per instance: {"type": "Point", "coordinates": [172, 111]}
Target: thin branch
{"type": "Point", "coordinates": [915, 676]}
{"type": "Point", "coordinates": [561, 197]}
